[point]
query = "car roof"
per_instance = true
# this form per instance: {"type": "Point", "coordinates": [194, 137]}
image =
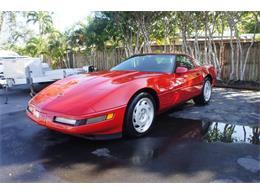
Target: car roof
{"type": "Point", "coordinates": [173, 53]}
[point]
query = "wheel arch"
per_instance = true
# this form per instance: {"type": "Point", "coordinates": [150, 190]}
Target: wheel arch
{"type": "Point", "coordinates": [208, 76]}
{"type": "Point", "coordinates": [152, 92]}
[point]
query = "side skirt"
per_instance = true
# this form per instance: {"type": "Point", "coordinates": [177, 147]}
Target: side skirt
{"type": "Point", "coordinates": [101, 137]}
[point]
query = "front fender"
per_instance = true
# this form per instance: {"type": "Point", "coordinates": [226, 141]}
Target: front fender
{"type": "Point", "coordinates": [121, 95]}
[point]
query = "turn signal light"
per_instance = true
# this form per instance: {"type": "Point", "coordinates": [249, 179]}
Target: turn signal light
{"type": "Point", "coordinates": [110, 116]}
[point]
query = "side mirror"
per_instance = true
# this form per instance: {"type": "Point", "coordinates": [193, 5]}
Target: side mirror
{"type": "Point", "coordinates": [180, 70]}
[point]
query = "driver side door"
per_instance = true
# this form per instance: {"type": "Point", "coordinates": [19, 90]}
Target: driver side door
{"type": "Point", "coordinates": [186, 82]}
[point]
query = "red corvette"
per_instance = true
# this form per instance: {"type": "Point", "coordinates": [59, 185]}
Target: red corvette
{"type": "Point", "coordinates": [124, 100]}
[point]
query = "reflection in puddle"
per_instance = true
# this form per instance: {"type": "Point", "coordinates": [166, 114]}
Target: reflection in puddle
{"type": "Point", "coordinates": [209, 131]}
{"type": "Point", "coordinates": [230, 133]}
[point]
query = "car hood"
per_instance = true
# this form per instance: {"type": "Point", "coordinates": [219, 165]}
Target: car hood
{"type": "Point", "coordinates": [76, 94]}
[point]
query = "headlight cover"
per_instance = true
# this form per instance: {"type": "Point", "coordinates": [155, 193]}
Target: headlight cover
{"type": "Point", "coordinates": [75, 122]}
{"type": "Point", "coordinates": [65, 120]}
{"type": "Point", "coordinates": [34, 112]}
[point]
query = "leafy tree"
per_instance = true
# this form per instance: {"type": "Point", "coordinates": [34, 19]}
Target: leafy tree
{"type": "Point", "coordinates": [75, 37]}
{"type": "Point", "coordinates": [165, 31]}
{"type": "Point", "coordinates": [42, 18]}
{"type": "Point", "coordinates": [98, 32]}
{"type": "Point", "coordinates": [13, 29]}
{"type": "Point", "coordinates": [125, 31]}
{"type": "Point", "coordinates": [9, 16]}
{"type": "Point", "coordinates": [36, 46]}
{"type": "Point", "coordinates": [249, 22]}
{"type": "Point", "coordinates": [56, 48]}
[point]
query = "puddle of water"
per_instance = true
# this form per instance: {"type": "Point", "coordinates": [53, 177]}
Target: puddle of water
{"type": "Point", "coordinates": [102, 152]}
{"type": "Point", "coordinates": [230, 133]}
{"type": "Point", "coordinates": [208, 131]}
{"type": "Point", "coordinates": [249, 163]}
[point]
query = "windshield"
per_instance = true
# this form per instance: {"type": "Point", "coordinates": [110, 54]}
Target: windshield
{"type": "Point", "coordinates": [148, 63]}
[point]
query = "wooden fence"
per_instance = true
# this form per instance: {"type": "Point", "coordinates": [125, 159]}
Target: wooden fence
{"type": "Point", "coordinates": [106, 59]}
{"type": "Point", "coordinates": [252, 71]}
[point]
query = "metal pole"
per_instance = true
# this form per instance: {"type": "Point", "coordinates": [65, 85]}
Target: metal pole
{"type": "Point", "coordinates": [6, 93]}
{"type": "Point", "coordinates": [32, 92]}
{"type": "Point", "coordinates": [64, 74]}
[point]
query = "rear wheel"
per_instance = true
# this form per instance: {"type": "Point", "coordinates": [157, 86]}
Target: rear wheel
{"type": "Point", "coordinates": [139, 115]}
{"type": "Point", "coordinates": [205, 95]}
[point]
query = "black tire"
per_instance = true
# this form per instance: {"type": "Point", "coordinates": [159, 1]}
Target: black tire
{"type": "Point", "coordinates": [128, 127]}
{"type": "Point", "coordinates": [200, 100]}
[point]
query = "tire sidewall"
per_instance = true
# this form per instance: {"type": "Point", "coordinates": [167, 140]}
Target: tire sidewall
{"type": "Point", "coordinates": [206, 101]}
{"type": "Point", "coordinates": [128, 128]}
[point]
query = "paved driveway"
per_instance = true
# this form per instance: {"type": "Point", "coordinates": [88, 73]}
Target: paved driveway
{"type": "Point", "coordinates": [227, 105]}
{"type": "Point", "coordinates": [221, 145]}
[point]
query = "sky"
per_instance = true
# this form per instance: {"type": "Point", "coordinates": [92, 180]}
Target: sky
{"type": "Point", "coordinates": [64, 19]}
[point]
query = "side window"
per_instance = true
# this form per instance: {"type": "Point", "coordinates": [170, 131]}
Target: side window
{"type": "Point", "coordinates": [184, 61]}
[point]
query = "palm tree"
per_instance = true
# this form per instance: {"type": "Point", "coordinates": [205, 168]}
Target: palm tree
{"type": "Point", "coordinates": [57, 47]}
{"type": "Point", "coordinates": [43, 18]}
{"type": "Point", "coordinates": [50, 44]}
{"type": "Point", "coordinates": [36, 46]}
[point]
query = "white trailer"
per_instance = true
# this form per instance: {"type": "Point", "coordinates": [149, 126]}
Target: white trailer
{"type": "Point", "coordinates": [21, 70]}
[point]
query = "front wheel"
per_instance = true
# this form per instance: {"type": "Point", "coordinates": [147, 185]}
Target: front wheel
{"type": "Point", "coordinates": [139, 115]}
{"type": "Point", "coordinates": [205, 95]}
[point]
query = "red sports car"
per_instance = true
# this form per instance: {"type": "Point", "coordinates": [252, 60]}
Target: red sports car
{"type": "Point", "coordinates": [124, 100]}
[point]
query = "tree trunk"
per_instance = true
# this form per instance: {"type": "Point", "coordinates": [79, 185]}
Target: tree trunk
{"type": "Point", "coordinates": [205, 41]}
{"type": "Point", "coordinates": [1, 20]}
{"type": "Point", "coordinates": [249, 48]}
{"type": "Point", "coordinates": [196, 44]}
{"type": "Point", "coordinates": [231, 76]}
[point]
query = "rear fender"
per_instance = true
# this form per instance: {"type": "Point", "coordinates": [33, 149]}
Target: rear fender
{"type": "Point", "coordinates": [210, 70]}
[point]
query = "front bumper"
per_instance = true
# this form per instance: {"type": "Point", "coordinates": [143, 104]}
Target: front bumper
{"type": "Point", "coordinates": [106, 127]}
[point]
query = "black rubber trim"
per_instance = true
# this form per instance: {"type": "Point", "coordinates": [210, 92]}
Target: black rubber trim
{"type": "Point", "coordinates": [27, 109]}
{"type": "Point", "coordinates": [102, 137]}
